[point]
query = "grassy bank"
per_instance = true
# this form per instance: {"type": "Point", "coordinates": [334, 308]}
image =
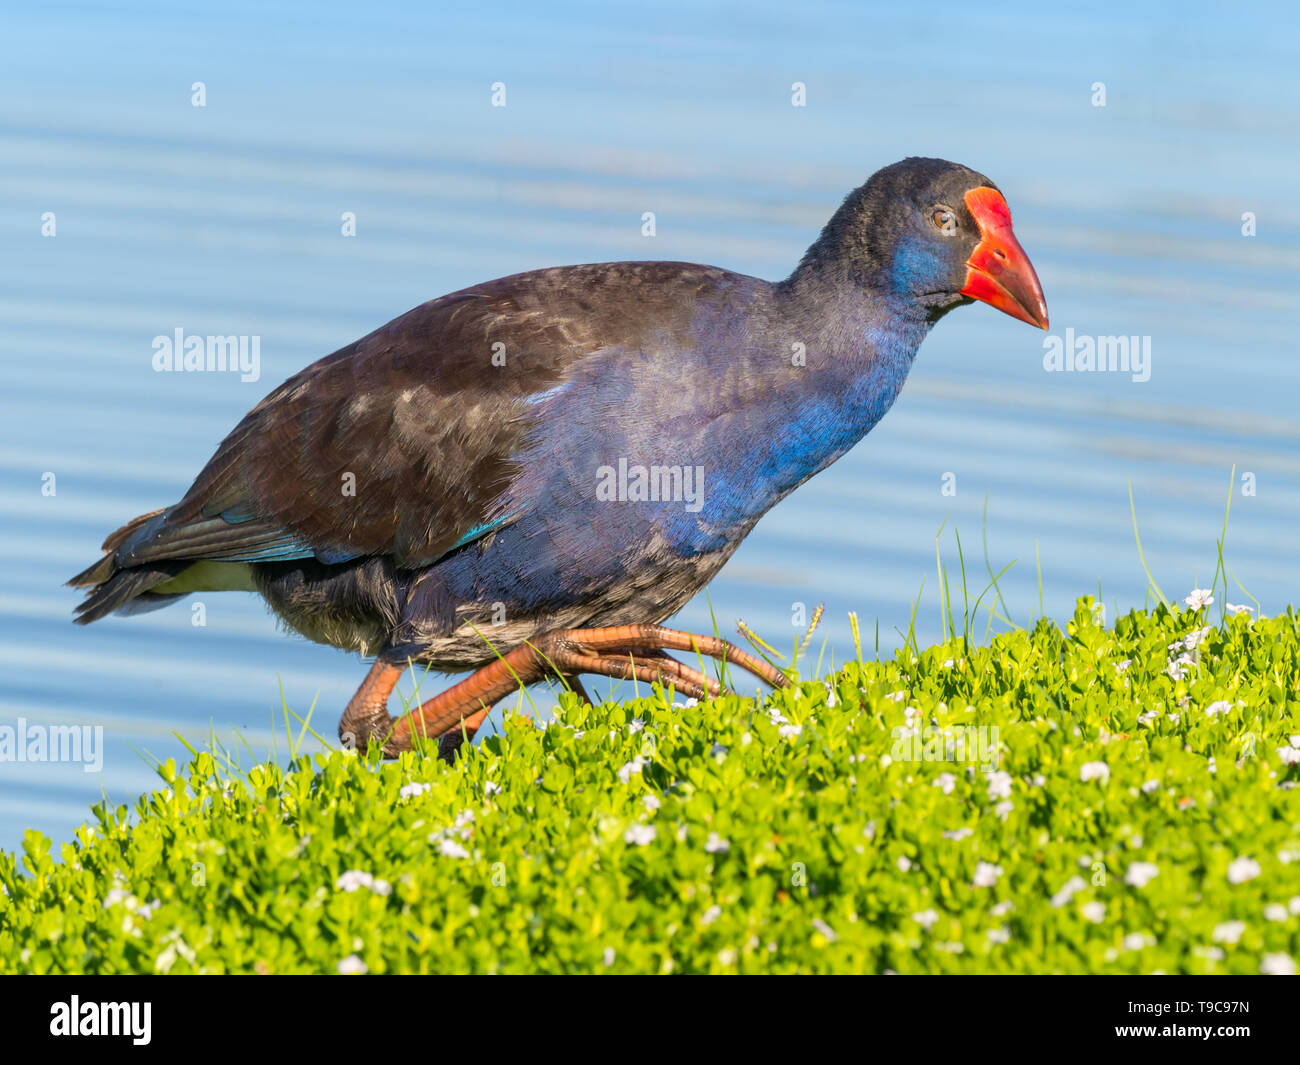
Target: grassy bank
{"type": "Point", "coordinates": [1117, 799]}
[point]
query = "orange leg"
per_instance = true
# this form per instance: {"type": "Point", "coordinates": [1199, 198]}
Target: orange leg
{"type": "Point", "coordinates": [366, 715]}
{"type": "Point", "coordinates": [624, 652]}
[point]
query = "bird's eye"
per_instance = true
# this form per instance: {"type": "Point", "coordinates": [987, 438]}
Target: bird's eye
{"type": "Point", "coordinates": [944, 221]}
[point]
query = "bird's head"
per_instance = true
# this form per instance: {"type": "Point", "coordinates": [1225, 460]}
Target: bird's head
{"type": "Point", "coordinates": [937, 234]}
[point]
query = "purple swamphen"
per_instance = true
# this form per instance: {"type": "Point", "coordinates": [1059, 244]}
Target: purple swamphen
{"type": "Point", "coordinates": [524, 478]}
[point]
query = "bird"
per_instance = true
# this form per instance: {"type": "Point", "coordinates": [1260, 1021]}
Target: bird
{"type": "Point", "coordinates": [522, 480]}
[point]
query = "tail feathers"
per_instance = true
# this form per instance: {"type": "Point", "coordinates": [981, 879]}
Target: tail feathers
{"type": "Point", "coordinates": [102, 570]}
{"type": "Point", "coordinates": [143, 604]}
{"type": "Point", "coordinates": [117, 539]}
{"type": "Point", "coordinates": [112, 588]}
{"type": "Point", "coordinates": [118, 590]}
{"type": "Point", "coordinates": [94, 576]}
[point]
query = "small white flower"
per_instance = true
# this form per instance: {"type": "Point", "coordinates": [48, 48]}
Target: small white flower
{"type": "Point", "coordinates": [958, 833]}
{"type": "Point", "coordinates": [946, 781]}
{"type": "Point", "coordinates": [1149, 786]}
{"type": "Point", "coordinates": [1140, 874]}
{"type": "Point", "coordinates": [1039, 780]}
{"type": "Point", "coordinates": [1002, 908]}
{"type": "Point", "coordinates": [651, 802]}
{"type": "Point", "coordinates": [718, 751]}
{"type": "Point", "coordinates": [491, 788]}
{"type": "Point", "coordinates": [1219, 706]}
{"type": "Point", "coordinates": [789, 731]}
{"type": "Point", "coordinates": [1242, 869]}
{"type": "Point", "coordinates": [1289, 755]}
{"type": "Point", "coordinates": [987, 874]}
{"type": "Point", "coordinates": [1200, 597]}
{"type": "Point", "coordinates": [904, 863]}
{"type": "Point", "coordinates": [776, 717]}
{"type": "Point", "coordinates": [1068, 890]}
{"type": "Point", "coordinates": [608, 956]}
{"type": "Point", "coordinates": [711, 914]}
{"type": "Point", "coordinates": [1094, 771]}
{"type": "Point", "coordinates": [640, 835]}
{"type": "Point", "coordinates": [1293, 905]}
{"type": "Point", "coordinates": [449, 848]}
{"type": "Point", "coordinates": [1238, 608]}
{"type": "Point", "coordinates": [635, 725]}
{"type": "Point", "coordinates": [634, 766]}
{"type": "Point", "coordinates": [1121, 666]}
{"type": "Point", "coordinates": [926, 918]}
{"type": "Point", "coordinates": [727, 956]}
{"type": "Point", "coordinates": [897, 696]}
{"type": "Point", "coordinates": [999, 935]}
{"type": "Point", "coordinates": [410, 791]}
{"type": "Point", "coordinates": [1275, 911]}
{"type": "Point", "coordinates": [352, 965]}
{"type": "Point", "coordinates": [825, 929]}
{"type": "Point", "coordinates": [999, 784]}
{"type": "Point", "coordinates": [716, 845]}
{"type": "Point", "coordinates": [354, 879]}
{"type": "Point", "coordinates": [1277, 965]}
{"type": "Point", "coordinates": [1003, 809]}
{"type": "Point", "coordinates": [1093, 911]}
{"type": "Point", "coordinates": [1137, 940]}
{"type": "Point", "coordinates": [1228, 931]}
{"type": "Point", "coordinates": [1178, 667]}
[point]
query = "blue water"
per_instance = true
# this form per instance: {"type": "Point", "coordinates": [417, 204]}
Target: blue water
{"type": "Point", "coordinates": [226, 220]}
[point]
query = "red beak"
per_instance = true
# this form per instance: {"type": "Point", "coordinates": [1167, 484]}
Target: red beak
{"type": "Point", "coordinates": [998, 271]}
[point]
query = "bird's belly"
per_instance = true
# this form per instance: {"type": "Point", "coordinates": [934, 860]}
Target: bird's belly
{"type": "Point", "coordinates": [487, 598]}
{"type": "Point", "coordinates": [489, 626]}
{"type": "Point", "coordinates": [353, 606]}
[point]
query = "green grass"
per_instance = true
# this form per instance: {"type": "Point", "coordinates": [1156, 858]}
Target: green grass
{"type": "Point", "coordinates": [741, 842]}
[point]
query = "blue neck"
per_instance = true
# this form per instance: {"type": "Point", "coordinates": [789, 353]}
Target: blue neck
{"type": "Point", "coordinates": [855, 370]}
